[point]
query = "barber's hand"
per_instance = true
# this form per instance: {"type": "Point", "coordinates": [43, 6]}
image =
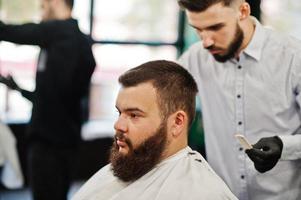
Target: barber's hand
{"type": "Point", "coordinates": [266, 153]}
{"type": "Point", "coordinates": [9, 82]}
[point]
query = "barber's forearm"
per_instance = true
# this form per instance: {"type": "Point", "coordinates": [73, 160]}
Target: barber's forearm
{"type": "Point", "coordinates": [291, 147]}
{"type": "Point", "coordinates": [21, 34]}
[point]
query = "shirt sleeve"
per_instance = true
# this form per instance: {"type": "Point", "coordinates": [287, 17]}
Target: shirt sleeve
{"type": "Point", "coordinates": [192, 58]}
{"type": "Point", "coordinates": [291, 147]}
{"type": "Point", "coordinates": [86, 67]}
{"type": "Point", "coordinates": [184, 60]}
{"type": "Point", "coordinates": [30, 33]}
{"type": "Point", "coordinates": [292, 143]}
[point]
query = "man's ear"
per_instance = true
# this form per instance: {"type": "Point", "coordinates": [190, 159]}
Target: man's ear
{"type": "Point", "coordinates": [178, 123]}
{"type": "Point", "coordinates": [244, 10]}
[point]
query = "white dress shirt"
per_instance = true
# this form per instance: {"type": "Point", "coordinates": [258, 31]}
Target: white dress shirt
{"type": "Point", "coordinates": [257, 96]}
{"type": "Point", "coordinates": [183, 176]}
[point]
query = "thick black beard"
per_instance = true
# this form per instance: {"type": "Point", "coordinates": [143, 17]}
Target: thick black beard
{"type": "Point", "coordinates": [233, 48]}
{"type": "Point", "coordinates": [140, 160]}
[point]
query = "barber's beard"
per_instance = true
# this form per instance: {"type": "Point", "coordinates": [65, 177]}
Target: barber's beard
{"type": "Point", "coordinates": [233, 47]}
{"type": "Point", "coordinates": [140, 160]}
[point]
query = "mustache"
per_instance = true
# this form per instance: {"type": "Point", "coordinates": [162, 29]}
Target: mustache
{"type": "Point", "coordinates": [213, 48]}
{"type": "Point", "coordinates": [120, 136]}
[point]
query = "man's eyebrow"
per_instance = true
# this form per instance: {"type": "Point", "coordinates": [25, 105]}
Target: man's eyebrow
{"type": "Point", "coordinates": [134, 109]}
{"type": "Point", "coordinates": [221, 24]}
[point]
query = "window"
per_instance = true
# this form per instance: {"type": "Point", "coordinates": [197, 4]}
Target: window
{"type": "Point", "coordinates": [17, 60]}
{"type": "Point", "coordinates": [126, 33]}
{"type": "Point", "coordinates": [135, 20]}
{"type": "Point", "coordinates": [283, 16]}
{"type": "Point", "coordinates": [81, 12]}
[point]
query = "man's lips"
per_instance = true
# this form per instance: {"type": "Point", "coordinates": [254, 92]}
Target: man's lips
{"type": "Point", "coordinates": [214, 51]}
{"type": "Point", "coordinates": [121, 143]}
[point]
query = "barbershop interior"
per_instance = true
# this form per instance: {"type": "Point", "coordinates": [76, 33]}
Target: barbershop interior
{"type": "Point", "coordinates": [123, 34]}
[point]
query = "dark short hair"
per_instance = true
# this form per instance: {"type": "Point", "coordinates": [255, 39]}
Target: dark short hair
{"type": "Point", "coordinates": [201, 5]}
{"type": "Point", "coordinates": [176, 88]}
{"type": "Point", "coordinates": [69, 3]}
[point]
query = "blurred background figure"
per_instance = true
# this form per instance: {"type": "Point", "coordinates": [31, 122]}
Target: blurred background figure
{"type": "Point", "coordinates": [64, 70]}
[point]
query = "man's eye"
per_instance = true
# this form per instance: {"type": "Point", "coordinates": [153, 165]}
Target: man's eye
{"type": "Point", "coordinates": [216, 28]}
{"type": "Point", "coordinates": [133, 115]}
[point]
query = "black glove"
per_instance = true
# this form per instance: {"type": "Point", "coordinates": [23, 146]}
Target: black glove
{"type": "Point", "coordinates": [266, 153]}
{"type": "Point", "coordinates": [9, 82]}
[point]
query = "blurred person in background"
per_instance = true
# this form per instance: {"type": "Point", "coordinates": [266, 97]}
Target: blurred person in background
{"type": "Point", "coordinates": [64, 71]}
{"type": "Point", "coordinates": [249, 80]}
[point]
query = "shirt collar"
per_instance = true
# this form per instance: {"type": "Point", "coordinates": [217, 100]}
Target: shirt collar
{"type": "Point", "coordinates": [255, 47]}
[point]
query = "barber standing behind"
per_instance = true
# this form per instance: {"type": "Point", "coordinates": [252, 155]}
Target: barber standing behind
{"type": "Point", "coordinates": [64, 70]}
{"type": "Point", "coordinates": [249, 80]}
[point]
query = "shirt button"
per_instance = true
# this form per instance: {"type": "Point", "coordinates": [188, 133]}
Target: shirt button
{"type": "Point", "coordinates": [238, 96]}
{"type": "Point", "coordinates": [239, 67]}
{"type": "Point", "coordinates": [239, 123]}
{"type": "Point", "coordinates": [240, 149]}
{"type": "Point", "coordinates": [242, 176]}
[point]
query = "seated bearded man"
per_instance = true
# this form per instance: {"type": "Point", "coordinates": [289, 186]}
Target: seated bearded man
{"type": "Point", "coordinates": [150, 159]}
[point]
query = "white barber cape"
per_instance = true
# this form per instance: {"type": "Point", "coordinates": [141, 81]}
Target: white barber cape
{"type": "Point", "coordinates": [183, 176]}
{"type": "Point", "coordinates": [11, 175]}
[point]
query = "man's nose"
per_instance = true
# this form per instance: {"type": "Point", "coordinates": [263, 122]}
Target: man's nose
{"type": "Point", "coordinates": [207, 39]}
{"type": "Point", "coordinates": [121, 124]}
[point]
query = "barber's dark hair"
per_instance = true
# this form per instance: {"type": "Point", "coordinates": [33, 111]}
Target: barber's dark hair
{"type": "Point", "coordinates": [201, 5]}
{"type": "Point", "coordinates": [176, 88]}
{"type": "Point", "coordinates": [69, 3]}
